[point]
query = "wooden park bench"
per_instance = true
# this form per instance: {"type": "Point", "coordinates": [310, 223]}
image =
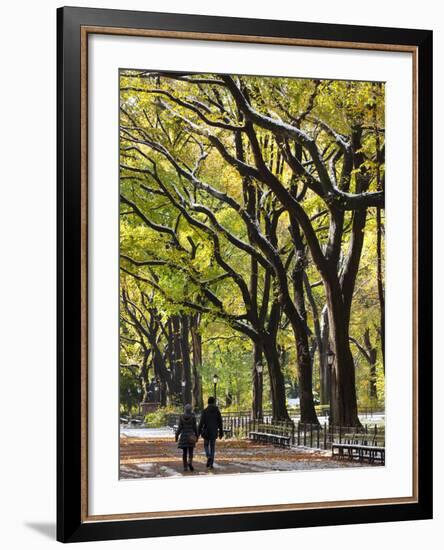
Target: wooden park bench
{"type": "Point", "coordinates": [360, 447]}
{"type": "Point", "coordinates": [272, 433]}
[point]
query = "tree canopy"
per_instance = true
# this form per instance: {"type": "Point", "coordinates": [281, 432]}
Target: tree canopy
{"type": "Point", "coordinates": [252, 233]}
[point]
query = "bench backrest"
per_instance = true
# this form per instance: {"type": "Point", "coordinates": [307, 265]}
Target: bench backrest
{"type": "Point", "coordinates": [358, 438]}
{"type": "Point", "coordinates": [284, 429]}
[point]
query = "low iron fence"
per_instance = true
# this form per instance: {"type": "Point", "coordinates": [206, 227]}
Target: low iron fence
{"type": "Point", "coordinates": [313, 436]}
{"type": "Point", "coordinates": [316, 436]}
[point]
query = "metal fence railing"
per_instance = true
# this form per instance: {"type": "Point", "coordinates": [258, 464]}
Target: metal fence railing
{"type": "Point", "coordinates": [314, 436]}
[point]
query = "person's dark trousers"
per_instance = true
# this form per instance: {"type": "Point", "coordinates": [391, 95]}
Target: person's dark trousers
{"type": "Point", "coordinates": [186, 463]}
{"type": "Point", "coordinates": [210, 449]}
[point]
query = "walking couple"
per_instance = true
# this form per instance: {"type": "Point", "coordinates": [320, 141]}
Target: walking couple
{"type": "Point", "coordinates": [210, 426]}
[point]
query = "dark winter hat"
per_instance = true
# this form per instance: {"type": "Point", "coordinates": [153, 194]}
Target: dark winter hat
{"type": "Point", "coordinates": [211, 400]}
{"type": "Point", "coordinates": [188, 409]}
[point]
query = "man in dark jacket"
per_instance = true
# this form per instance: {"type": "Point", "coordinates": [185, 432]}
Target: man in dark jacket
{"type": "Point", "coordinates": [210, 426]}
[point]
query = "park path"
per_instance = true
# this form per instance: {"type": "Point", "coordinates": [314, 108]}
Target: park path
{"type": "Point", "coordinates": [158, 456]}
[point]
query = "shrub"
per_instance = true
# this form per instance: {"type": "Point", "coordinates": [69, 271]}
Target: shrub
{"type": "Point", "coordinates": [156, 419]}
{"type": "Point", "coordinates": [159, 418]}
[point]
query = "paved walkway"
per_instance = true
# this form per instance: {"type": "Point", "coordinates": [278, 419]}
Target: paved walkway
{"type": "Point", "coordinates": [158, 456]}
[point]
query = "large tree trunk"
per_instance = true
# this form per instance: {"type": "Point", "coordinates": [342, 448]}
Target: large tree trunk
{"type": "Point", "coordinates": [196, 340]}
{"type": "Point", "coordinates": [380, 275]}
{"type": "Point", "coordinates": [317, 342]}
{"type": "Point", "coordinates": [169, 349]}
{"type": "Point", "coordinates": [250, 195]}
{"type": "Point", "coordinates": [144, 375]}
{"type": "Point", "coordinates": [186, 363]}
{"type": "Point", "coordinates": [271, 353]}
{"type": "Point", "coordinates": [177, 368]}
{"type": "Point", "coordinates": [305, 371]}
{"type": "Point", "coordinates": [380, 180]}
{"type": "Point", "coordinates": [305, 364]}
{"type": "Point", "coordinates": [324, 370]}
{"type": "Point", "coordinates": [277, 384]}
{"type": "Point", "coordinates": [163, 393]}
{"type": "Point", "coordinates": [372, 354]}
{"type": "Point", "coordinates": [257, 404]}
{"type": "Point", "coordinates": [163, 375]}
{"type": "Point", "coordinates": [300, 330]}
{"type": "Point", "coordinates": [343, 406]}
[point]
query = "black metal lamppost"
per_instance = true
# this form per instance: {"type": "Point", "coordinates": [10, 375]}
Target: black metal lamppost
{"type": "Point", "coordinates": [139, 392]}
{"type": "Point", "coordinates": [128, 391]}
{"type": "Point", "coordinates": [157, 390]}
{"type": "Point", "coordinates": [215, 379]}
{"type": "Point", "coordinates": [330, 362]}
{"type": "Point", "coordinates": [183, 384]}
{"type": "Point", "coordinates": [259, 370]}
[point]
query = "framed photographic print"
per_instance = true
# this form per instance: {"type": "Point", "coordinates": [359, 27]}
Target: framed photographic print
{"type": "Point", "coordinates": [245, 265]}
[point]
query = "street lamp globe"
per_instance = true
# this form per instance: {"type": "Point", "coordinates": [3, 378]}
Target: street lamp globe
{"type": "Point", "coordinates": [330, 358]}
{"type": "Point", "coordinates": [259, 368]}
{"type": "Point", "coordinates": [183, 383]}
{"type": "Point", "coordinates": [215, 379]}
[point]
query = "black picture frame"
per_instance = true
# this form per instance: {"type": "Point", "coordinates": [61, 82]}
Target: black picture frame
{"type": "Point", "coordinates": [71, 526]}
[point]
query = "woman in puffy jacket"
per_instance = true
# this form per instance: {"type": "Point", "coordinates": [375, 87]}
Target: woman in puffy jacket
{"type": "Point", "coordinates": [187, 436]}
